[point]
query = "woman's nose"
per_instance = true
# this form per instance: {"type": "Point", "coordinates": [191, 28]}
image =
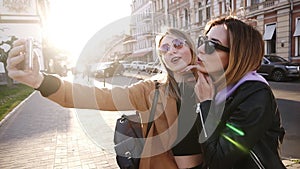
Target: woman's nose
{"type": "Point", "coordinates": [172, 49]}
{"type": "Point", "coordinates": [201, 50]}
{"type": "Point", "coordinates": [199, 58]}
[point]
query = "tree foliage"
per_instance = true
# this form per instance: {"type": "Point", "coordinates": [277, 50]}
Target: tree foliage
{"type": "Point", "coordinates": [4, 56]}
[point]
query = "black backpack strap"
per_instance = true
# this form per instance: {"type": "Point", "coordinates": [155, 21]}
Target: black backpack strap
{"type": "Point", "coordinates": [153, 107]}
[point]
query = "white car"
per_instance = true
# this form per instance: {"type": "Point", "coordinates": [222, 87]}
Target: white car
{"type": "Point", "coordinates": [126, 64]}
{"type": "Point", "coordinates": [153, 67]}
{"type": "Point", "coordinates": [138, 65]}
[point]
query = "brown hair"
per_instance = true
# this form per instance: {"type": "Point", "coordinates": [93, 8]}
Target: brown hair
{"type": "Point", "coordinates": [246, 49]}
{"type": "Point", "coordinates": [172, 84]}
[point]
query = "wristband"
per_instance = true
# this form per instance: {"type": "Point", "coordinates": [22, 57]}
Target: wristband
{"type": "Point", "coordinates": [49, 85]}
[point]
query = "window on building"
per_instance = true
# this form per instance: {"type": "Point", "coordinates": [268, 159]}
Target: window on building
{"type": "Point", "coordinates": [270, 38]}
{"type": "Point", "coordinates": [181, 22]}
{"type": "Point", "coordinates": [233, 5]}
{"type": "Point", "coordinates": [254, 2]}
{"type": "Point", "coordinates": [297, 52]}
{"type": "Point", "coordinates": [200, 15]}
{"type": "Point", "coordinates": [175, 22]}
{"type": "Point", "coordinates": [244, 3]}
{"type": "Point", "coordinates": [254, 5]}
{"type": "Point", "coordinates": [297, 37]}
{"type": "Point", "coordinates": [208, 12]}
{"type": "Point", "coordinates": [207, 3]}
{"type": "Point", "coordinates": [220, 8]}
{"type": "Point", "coordinates": [153, 6]}
{"type": "Point", "coordinates": [228, 6]}
{"type": "Point", "coordinates": [186, 18]}
{"type": "Point", "coordinates": [172, 20]}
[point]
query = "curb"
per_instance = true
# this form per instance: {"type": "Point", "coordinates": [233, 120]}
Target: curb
{"type": "Point", "coordinates": [12, 112]}
{"type": "Point", "coordinates": [291, 163]}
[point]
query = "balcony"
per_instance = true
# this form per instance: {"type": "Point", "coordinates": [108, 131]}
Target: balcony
{"type": "Point", "coordinates": [260, 7]}
{"type": "Point", "coordinates": [147, 18]}
{"type": "Point", "coordinates": [253, 7]}
{"type": "Point", "coordinates": [269, 3]}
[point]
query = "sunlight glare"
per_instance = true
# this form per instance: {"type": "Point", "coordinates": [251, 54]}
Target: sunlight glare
{"type": "Point", "coordinates": [72, 23]}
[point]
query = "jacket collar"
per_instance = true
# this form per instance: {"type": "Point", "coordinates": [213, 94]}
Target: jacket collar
{"type": "Point", "coordinates": [226, 92]}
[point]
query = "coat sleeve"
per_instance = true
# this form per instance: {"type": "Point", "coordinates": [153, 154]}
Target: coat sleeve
{"type": "Point", "coordinates": [72, 95]}
{"type": "Point", "coordinates": [247, 120]}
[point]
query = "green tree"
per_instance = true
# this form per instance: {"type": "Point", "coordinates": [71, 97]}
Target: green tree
{"type": "Point", "coordinates": [4, 55]}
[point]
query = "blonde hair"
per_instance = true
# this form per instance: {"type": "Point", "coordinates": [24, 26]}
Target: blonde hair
{"type": "Point", "coordinates": [171, 82]}
{"type": "Point", "coordinates": [246, 49]}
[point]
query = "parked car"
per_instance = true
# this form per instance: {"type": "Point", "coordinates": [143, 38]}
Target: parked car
{"type": "Point", "coordinates": [109, 69]}
{"type": "Point", "coordinates": [138, 65]}
{"type": "Point", "coordinates": [126, 64]}
{"type": "Point", "coordinates": [277, 68]}
{"type": "Point", "coordinates": [153, 67]}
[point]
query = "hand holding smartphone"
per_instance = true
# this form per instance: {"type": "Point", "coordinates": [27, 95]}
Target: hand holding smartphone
{"type": "Point", "coordinates": [23, 63]}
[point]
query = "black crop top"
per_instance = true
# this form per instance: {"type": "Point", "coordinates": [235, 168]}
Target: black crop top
{"type": "Point", "coordinates": [189, 125]}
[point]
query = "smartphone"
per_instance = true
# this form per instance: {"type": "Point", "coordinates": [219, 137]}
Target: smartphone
{"type": "Point", "coordinates": [28, 62]}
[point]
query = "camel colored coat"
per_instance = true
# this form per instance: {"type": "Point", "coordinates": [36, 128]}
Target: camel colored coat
{"type": "Point", "coordinates": [139, 96]}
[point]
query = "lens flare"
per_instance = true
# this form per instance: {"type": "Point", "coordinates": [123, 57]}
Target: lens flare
{"type": "Point", "coordinates": [238, 145]}
{"type": "Point", "coordinates": [236, 130]}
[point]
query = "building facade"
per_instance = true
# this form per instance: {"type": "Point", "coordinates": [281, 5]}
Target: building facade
{"type": "Point", "coordinates": [277, 20]}
{"type": "Point", "coordinates": [21, 19]}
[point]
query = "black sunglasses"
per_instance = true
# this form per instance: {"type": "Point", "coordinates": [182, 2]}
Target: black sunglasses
{"type": "Point", "coordinates": [177, 44]}
{"type": "Point", "coordinates": [210, 46]}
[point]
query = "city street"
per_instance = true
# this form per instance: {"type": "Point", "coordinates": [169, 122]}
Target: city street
{"type": "Point", "coordinates": [41, 134]}
{"type": "Point", "coordinates": [79, 36]}
{"type": "Point", "coordinates": [288, 98]}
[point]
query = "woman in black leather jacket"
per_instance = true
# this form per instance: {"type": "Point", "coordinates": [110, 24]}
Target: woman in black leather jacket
{"type": "Point", "coordinates": [241, 123]}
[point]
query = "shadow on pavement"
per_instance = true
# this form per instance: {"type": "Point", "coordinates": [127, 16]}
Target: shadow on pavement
{"type": "Point", "coordinates": [37, 117]}
{"type": "Point", "coordinates": [290, 120]}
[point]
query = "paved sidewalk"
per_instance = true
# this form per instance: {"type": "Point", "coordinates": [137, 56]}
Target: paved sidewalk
{"type": "Point", "coordinates": [42, 134]}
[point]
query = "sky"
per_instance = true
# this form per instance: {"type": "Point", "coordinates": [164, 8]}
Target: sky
{"type": "Point", "coordinates": [72, 23]}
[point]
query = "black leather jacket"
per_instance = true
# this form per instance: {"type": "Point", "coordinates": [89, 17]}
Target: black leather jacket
{"type": "Point", "coordinates": [252, 110]}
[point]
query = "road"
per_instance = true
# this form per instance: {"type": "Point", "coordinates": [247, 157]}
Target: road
{"type": "Point", "coordinates": [288, 97]}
